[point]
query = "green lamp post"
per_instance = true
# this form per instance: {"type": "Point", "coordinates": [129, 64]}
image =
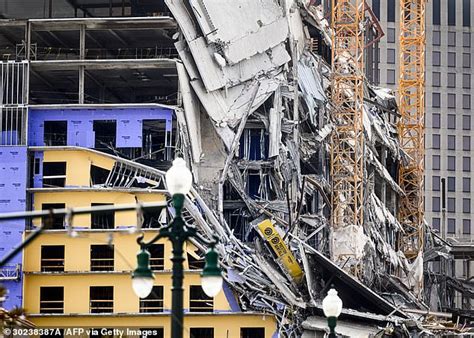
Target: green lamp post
{"type": "Point", "coordinates": [179, 182]}
{"type": "Point", "coordinates": [332, 307]}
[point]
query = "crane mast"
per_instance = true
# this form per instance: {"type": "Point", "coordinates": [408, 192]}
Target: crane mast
{"type": "Point", "coordinates": [411, 126]}
{"type": "Point", "coordinates": [347, 150]}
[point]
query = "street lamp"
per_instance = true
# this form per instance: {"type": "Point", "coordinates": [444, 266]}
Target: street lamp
{"type": "Point", "coordinates": [179, 182]}
{"type": "Point", "coordinates": [332, 307]}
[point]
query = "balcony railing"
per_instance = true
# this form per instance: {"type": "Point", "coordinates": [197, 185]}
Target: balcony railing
{"type": "Point", "coordinates": [52, 264]}
{"type": "Point", "coordinates": [51, 306]}
{"type": "Point", "coordinates": [101, 306]}
{"type": "Point", "coordinates": [102, 264]}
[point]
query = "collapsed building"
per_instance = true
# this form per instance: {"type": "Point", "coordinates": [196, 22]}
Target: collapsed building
{"type": "Point", "coordinates": [254, 119]}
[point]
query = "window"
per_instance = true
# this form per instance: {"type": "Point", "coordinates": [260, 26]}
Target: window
{"type": "Point", "coordinates": [102, 219]}
{"type": "Point", "coordinates": [154, 302]}
{"type": "Point", "coordinates": [452, 39]}
{"type": "Point", "coordinates": [98, 175]}
{"type": "Point", "coordinates": [102, 258]}
{"type": "Point", "coordinates": [466, 164]}
{"type": "Point", "coordinates": [55, 133]}
{"type": "Point", "coordinates": [466, 122]}
{"type": "Point", "coordinates": [451, 80]}
{"type": "Point", "coordinates": [254, 145]}
{"type": "Point", "coordinates": [466, 13]}
{"type": "Point", "coordinates": [436, 162]}
{"type": "Point", "coordinates": [436, 100]}
{"type": "Point", "coordinates": [466, 226]}
{"type": "Point", "coordinates": [451, 183]}
{"type": "Point", "coordinates": [390, 76]}
{"type": "Point", "coordinates": [252, 332]}
{"type": "Point", "coordinates": [155, 138]}
{"type": "Point", "coordinates": [466, 205]}
{"type": "Point", "coordinates": [57, 222]}
{"type": "Point", "coordinates": [391, 10]}
{"type": "Point", "coordinates": [391, 35]}
{"type": "Point", "coordinates": [466, 101]}
{"type": "Point", "coordinates": [436, 206]}
{"type": "Point", "coordinates": [36, 166]}
{"type": "Point", "coordinates": [436, 12]}
{"type": "Point", "coordinates": [451, 121]}
{"type": "Point", "coordinates": [451, 226]}
{"type": "Point", "coordinates": [451, 142]}
{"type": "Point", "coordinates": [105, 132]}
{"type": "Point", "coordinates": [451, 100]}
{"type": "Point", "coordinates": [436, 141]}
{"type": "Point", "coordinates": [451, 204]}
{"type": "Point", "coordinates": [51, 299]}
{"type": "Point", "coordinates": [436, 58]}
{"type": "Point", "coordinates": [52, 258]}
{"type": "Point", "coordinates": [466, 60]}
{"type": "Point", "coordinates": [391, 56]}
{"type": "Point", "coordinates": [436, 183]}
{"type": "Point", "coordinates": [451, 59]}
{"type": "Point", "coordinates": [101, 299]}
{"type": "Point", "coordinates": [199, 301]}
{"type": "Point", "coordinates": [201, 332]}
{"type": "Point", "coordinates": [466, 143]}
{"type": "Point", "coordinates": [436, 80]}
{"type": "Point", "coordinates": [376, 8]}
{"type": "Point", "coordinates": [451, 12]}
{"type": "Point", "coordinates": [466, 39]}
{"type": "Point", "coordinates": [54, 174]}
{"type": "Point", "coordinates": [466, 81]}
{"type": "Point", "coordinates": [451, 163]}
{"type": "Point", "coordinates": [436, 224]}
{"type": "Point", "coordinates": [466, 184]}
{"type": "Point", "coordinates": [195, 262]}
{"type": "Point", "coordinates": [157, 256]}
{"type": "Point", "coordinates": [436, 38]}
{"type": "Point", "coordinates": [436, 121]}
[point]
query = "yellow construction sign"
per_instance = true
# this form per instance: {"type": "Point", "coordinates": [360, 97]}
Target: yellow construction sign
{"type": "Point", "coordinates": [284, 254]}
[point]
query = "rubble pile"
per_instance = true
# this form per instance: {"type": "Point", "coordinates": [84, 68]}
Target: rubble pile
{"type": "Point", "coordinates": [255, 93]}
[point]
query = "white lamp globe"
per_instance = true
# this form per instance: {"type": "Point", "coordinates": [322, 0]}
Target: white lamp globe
{"type": "Point", "coordinates": [332, 304]}
{"type": "Point", "coordinates": [142, 286]}
{"type": "Point", "coordinates": [178, 178]}
{"type": "Point", "coordinates": [211, 285]}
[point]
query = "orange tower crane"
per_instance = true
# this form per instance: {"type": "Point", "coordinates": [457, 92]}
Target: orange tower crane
{"type": "Point", "coordinates": [347, 160]}
{"type": "Point", "coordinates": [411, 126]}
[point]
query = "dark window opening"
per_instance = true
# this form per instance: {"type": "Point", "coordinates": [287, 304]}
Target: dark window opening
{"type": "Point", "coordinates": [155, 140]}
{"type": "Point", "coordinates": [51, 299]}
{"type": "Point", "coordinates": [54, 174]}
{"type": "Point", "coordinates": [199, 301]}
{"type": "Point", "coordinates": [151, 218]}
{"type": "Point", "coordinates": [102, 258]}
{"type": "Point", "coordinates": [153, 332]}
{"type": "Point", "coordinates": [201, 332]}
{"type": "Point", "coordinates": [57, 222]}
{"type": "Point", "coordinates": [238, 221]}
{"type": "Point", "coordinates": [391, 10]}
{"type": "Point", "coordinates": [101, 299]}
{"type": "Point", "coordinates": [52, 258]}
{"type": "Point", "coordinates": [436, 12]}
{"type": "Point", "coordinates": [195, 262]}
{"type": "Point", "coordinates": [55, 133]}
{"type": "Point", "coordinates": [105, 132]}
{"type": "Point", "coordinates": [466, 13]}
{"type": "Point", "coordinates": [252, 332]}
{"type": "Point", "coordinates": [451, 12]}
{"type": "Point", "coordinates": [98, 175]}
{"type": "Point", "coordinates": [254, 145]}
{"type": "Point", "coordinates": [154, 302]}
{"type": "Point", "coordinates": [102, 219]}
{"type": "Point", "coordinates": [157, 256]}
{"type": "Point", "coordinates": [376, 8]}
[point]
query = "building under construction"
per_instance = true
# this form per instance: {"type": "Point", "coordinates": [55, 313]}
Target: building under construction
{"type": "Point", "coordinates": [309, 173]}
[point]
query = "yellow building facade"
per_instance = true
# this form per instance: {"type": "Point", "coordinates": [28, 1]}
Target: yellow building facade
{"type": "Point", "coordinates": [77, 275]}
